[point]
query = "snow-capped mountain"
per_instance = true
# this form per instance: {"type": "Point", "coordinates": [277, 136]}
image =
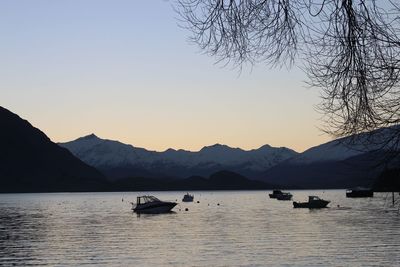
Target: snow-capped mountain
{"type": "Point", "coordinates": [347, 147]}
{"type": "Point", "coordinates": [342, 162]}
{"type": "Point", "coordinates": [346, 162]}
{"type": "Point", "coordinates": [331, 151]}
{"type": "Point", "coordinates": [118, 160]}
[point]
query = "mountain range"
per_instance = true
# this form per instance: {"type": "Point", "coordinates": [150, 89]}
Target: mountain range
{"type": "Point", "coordinates": [31, 162]}
{"type": "Point", "coordinates": [339, 163]}
{"type": "Point", "coordinates": [117, 160]}
{"type": "Point", "coordinates": [342, 163]}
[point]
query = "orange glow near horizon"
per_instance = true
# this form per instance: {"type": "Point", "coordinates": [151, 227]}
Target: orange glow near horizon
{"type": "Point", "coordinates": [106, 73]}
{"type": "Point", "coordinates": [187, 137]}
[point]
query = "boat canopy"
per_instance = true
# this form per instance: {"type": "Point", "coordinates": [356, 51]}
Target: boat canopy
{"type": "Point", "coordinates": [146, 199]}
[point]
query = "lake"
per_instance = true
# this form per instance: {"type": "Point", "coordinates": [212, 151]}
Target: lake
{"type": "Point", "coordinates": [247, 228]}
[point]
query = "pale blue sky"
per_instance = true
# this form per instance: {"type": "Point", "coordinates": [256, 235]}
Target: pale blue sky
{"type": "Point", "coordinates": [124, 70]}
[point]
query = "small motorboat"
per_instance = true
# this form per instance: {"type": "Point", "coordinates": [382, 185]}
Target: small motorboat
{"type": "Point", "coordinates": [279, 195]}
{"type": "Point", "coordinates": [359, 192]}
{"type": "Point", "coordinates": [188, 198]}
{"type": "Point", "coordinates": [275, 193]}
{"type": "Point", "coordinates": [151, 204]}
{"type": "Point", "coordinates": [284, 196]}
{"type": "Point", "coordinates": [314, 202]}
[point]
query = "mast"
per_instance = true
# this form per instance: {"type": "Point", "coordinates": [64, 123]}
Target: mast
{"type": "Point", "coordinates": [393, 198]}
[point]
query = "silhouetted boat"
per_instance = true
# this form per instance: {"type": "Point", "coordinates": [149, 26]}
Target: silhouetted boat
{"type": "Point", "coordinates": [188, 198]}
{"type": "Point", "coordinates": [314, 202]}
{"type": "Point", "coordinates": [278, 194]}
{"type": "Point", "coordinates": [151, 204]}
{"type": "Point", "coordinates": [284, 196]}
{"type": "Point", "coordinates": [359, 192]}
{"type": "Point", "coordinates": [275, 193]}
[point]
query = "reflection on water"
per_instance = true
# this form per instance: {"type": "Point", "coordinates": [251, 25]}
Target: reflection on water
{"type": "Point", "coordinates": [247, 228]}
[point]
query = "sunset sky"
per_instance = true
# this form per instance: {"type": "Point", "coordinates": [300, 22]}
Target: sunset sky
{"type": "Point", "coordinates": [125, 71]}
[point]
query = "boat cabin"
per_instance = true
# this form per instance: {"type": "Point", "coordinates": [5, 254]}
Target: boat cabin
{"type": "Point", "coordinates": [146, 199]}
{"type": "Point", "coordinates": [313, 198]}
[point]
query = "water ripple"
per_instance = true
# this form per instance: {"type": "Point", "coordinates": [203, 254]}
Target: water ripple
{"type": "Point", "coordinates": [246, 229]}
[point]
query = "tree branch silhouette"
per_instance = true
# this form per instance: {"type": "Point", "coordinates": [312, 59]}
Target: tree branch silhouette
{"type": "Point", "coordinates": [348, 48]}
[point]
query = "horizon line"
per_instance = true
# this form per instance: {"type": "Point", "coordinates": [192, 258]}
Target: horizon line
{"type": "Point", "coordinates": [186, 150]}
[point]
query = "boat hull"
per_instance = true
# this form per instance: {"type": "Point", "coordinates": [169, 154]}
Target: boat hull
{"type": "Point", "coordinates": [187, 198]}
{"type": "Point", "coordinates": [154, 208]}
{"type": "Point", "coordinates": [284, 197]}
{"type": "Point", "coordinates": [313, 205]}
{"type": "Point", "coordinates": [355, 194]}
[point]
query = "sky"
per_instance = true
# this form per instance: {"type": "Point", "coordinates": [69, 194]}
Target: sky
{"type": "Point", "coordinates": [125, 71]}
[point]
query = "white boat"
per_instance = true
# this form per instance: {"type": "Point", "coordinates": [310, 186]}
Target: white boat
{"type": "Point", "coordinates": [151, 204]}
{"type": "Point", "coordinates": [188, 198]}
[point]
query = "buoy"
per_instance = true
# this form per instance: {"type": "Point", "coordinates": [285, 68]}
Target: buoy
{"type": "Point", "coordinates": [186, 209]}
{"type": "Point", "coordinates": [198, 201]}
{"type": "Point", "coordinates": [218, 204]}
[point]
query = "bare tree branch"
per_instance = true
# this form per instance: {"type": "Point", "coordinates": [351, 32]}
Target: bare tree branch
{"type": "Point", "coordinates": [348, 48]}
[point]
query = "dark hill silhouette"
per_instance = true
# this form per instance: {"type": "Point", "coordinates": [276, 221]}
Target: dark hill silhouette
{"type": "Point", "coordinates": [231, 180]}
{"type": "Point", "coordinates": [31, 162]}
{"type": "Point", "coordinates": [359, 170]}
{"type": "Point", "coordinates": [222, 180]}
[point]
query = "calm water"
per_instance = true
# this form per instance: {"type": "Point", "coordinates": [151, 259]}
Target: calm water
{"type": "Point", "coordinates": [246, 229]}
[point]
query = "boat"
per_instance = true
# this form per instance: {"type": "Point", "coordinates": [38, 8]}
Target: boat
{"type": "Point", "coordinates": [151, 204]}
{"type": "Point", "coordinates": [359, 192]}
{"type": "Point", "coordinates": [188, 198]}
{"type": "Point", "coordinates": [284, 196]}
{"type": "Point", "coordinates": [314, 202]}
{"type": "Point", "coordinates": [275, 193]}
{"type": "Point", "coordinates": [279, 195]}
